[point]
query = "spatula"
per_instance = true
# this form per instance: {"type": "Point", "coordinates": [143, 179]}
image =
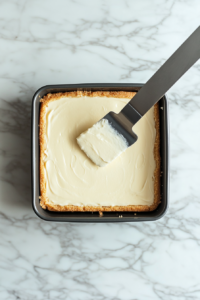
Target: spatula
{"type": "Point", "coordinates": [122, 123]}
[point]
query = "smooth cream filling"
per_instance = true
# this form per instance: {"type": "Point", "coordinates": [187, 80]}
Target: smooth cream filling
{"type": "Point", "coordinates": [73, 179]}
{"type": "Point", "coordinates": [102, 143]}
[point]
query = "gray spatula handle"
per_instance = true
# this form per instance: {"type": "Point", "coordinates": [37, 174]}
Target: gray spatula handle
{"type": "Point", "coordinates": [184, 57]}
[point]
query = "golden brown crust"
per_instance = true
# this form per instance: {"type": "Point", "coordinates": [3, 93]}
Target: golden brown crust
{"type": "Point", "coordinates": [46, 204]}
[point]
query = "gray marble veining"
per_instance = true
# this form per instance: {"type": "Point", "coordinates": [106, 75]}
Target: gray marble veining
{"type": "Point", "coordinates": [52, 42]}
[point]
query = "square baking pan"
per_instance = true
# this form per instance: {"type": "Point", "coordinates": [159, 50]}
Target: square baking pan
{"type": "Point", "coordinates": [94, 217]}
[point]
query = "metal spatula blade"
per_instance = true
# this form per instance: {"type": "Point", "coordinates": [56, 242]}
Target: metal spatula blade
{"type": "Point", "coordinates": [120, 125]}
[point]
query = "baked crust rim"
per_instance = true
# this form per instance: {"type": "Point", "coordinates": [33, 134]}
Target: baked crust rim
{"type": "Point", "coordinates": [44, 201]}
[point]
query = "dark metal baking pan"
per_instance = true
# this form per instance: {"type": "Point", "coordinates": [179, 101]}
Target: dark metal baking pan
{"type": "Point", "coordinates": [107, 216]}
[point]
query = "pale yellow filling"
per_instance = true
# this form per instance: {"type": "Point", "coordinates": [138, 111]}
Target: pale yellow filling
{"type": "Point", "coordinates": [102, 143]}
{"type": "Point", "coordinates": [73, 179]}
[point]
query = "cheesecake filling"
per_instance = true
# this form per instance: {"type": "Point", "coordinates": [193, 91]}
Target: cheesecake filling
{"type": "Point", "coordinates": [73, 179]}
{"type": "Point", "coordinates": [102, 143]}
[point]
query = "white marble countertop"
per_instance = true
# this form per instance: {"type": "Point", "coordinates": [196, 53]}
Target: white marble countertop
{"type": "Point", "coordinates": [63, 41]}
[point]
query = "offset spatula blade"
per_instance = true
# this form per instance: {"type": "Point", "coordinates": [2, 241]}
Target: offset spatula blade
{"type": "Point", "coordinates": [119, 126]}
{"type": "Point", "coordinates": [122, 125]}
